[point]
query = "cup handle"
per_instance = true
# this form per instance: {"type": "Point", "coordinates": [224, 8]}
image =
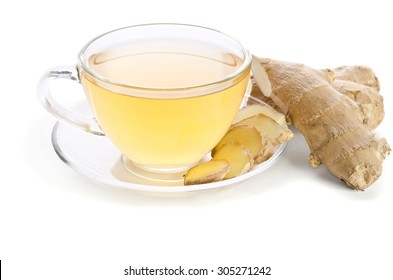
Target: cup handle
{"type": "Point", "coordinates": [69, 117]}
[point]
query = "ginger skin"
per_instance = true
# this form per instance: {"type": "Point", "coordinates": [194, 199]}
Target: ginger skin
{"type": "Point", "coordinates": [335, 110]}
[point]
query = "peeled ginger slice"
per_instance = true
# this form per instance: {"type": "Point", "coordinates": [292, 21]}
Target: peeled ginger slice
{"type": "Point", "coordinates": [272, 129]}
{"type": "Point", "coordinates": [255, 109]}
{"type": "Point", "coordinates": [240, 158]}
{"type": "Point", "coordinates": [207, 172]}
{"type": "Point", "coordinates": [248, 136]}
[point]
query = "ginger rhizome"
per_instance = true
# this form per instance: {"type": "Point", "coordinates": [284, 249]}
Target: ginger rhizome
{"type": "Point", "coordinates": [335, 110]}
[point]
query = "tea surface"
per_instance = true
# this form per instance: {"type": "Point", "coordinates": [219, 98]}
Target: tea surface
{"type": "Point", "coordinates": [164, 69]}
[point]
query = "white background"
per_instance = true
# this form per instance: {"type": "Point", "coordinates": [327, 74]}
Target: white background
{"type": "Point", "coordinates": [304, 223]}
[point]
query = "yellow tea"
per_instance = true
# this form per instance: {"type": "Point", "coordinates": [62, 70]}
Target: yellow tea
{"type": "Point", "coordinates": [152, 106]}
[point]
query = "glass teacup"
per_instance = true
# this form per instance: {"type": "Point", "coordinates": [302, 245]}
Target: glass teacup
{"type": "Point", "coordinates": [164, 94]}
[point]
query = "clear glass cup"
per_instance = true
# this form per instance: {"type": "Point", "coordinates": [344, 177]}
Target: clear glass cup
{"type": "Point", "coordinates": [164, 94]}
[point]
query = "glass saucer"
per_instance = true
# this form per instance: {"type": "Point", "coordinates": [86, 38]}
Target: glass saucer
{"type": "Point", "coordinates": [98, 159]}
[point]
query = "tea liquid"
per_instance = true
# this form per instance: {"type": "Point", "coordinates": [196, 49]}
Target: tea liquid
{"type": "Point", "coordinates": [160, 127]}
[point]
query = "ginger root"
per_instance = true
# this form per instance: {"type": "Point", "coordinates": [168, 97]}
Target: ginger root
{"type": "Point", "coordinates": [335, 110]}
